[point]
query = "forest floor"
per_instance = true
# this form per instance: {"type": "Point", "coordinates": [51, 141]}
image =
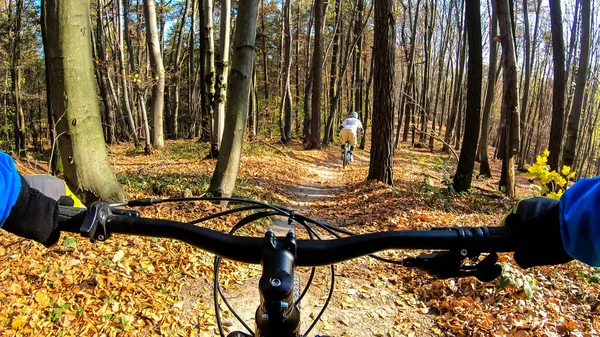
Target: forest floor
{"type": "Point", "coordinates": [151, 286]}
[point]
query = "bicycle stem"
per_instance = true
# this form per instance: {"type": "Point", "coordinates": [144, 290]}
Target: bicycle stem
{"type": "Point", "coordinates": [277, 315]}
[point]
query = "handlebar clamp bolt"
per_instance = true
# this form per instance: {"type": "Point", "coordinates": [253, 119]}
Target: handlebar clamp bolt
{"type": "Point", "coordinates": [275, 282]}
{"type": "Point", "coordinates": [463, 252]}
{"type": "Point", "coordinates": [101, 237]}
{"type": "Point", "coordinates": [284, 305]}
{"type": "Point", "coordinates": [265, 317]}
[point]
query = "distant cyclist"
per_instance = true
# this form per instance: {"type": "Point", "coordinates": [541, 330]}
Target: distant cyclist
{"type": "Point", "coordinates": [350, 128]}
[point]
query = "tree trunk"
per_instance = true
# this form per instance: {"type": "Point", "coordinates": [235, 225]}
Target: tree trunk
{"type": "Point", "coordinates": [558, 90]}
{"type": "Point", "coordinates": [228, 163]}
{"type": "Point", "coordinates": [15, 76]}
{"type": "Point", "coordinates": [406, 102]}
{"type": "Point", "coordinates": [102, 74]}
{"type": "Point", "coordinates": [158, 73]}
{"type": "Point", "coordinates": [297, 65]}
{"type": "Point", "coordinates": [464, 170]}
{"type": "Point", "coordinates": [317, 77]}
{"type": "Point", "coordinates": [573, 124]}
{"type": "Point", "coordinates": [208, 58]}
{"type": "Point", "coordinates": [381, 162]}
{"type": "Point", "coordinates": [124, 78]}
{"type": "Point", "coordinates": [443, 48]}
{"type": "Point", "coordinates": [457, 89]}
{"type": "Point", "coordinates": [509, 100]}
{"type": "Point", "coordinates": [87, 168]}
{"type": "Point", "coordinates": [334, 68]}
{"type": "Point", "coordinates": [177, 69]}
{"type": "Point", "coordinates": [526, 84]}
{"type": "Point", "coordinates": [484, 166]}
{"type": "Point", "coordinates": [363, 141]}
{"type": "Point", "coordinates": [358, 81]}
{"type": "Point", "coordinates": [308, 82]}
{"type": "Point", "coordinates": [264, 51]}
{"type": "Point", "coordinates": [286, 95]}
{"type": "Point", "coordinates": [223, 64]}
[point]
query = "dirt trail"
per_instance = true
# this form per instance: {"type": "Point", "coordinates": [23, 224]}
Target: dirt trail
{"type": "Point", "coordinates": [358, 307]}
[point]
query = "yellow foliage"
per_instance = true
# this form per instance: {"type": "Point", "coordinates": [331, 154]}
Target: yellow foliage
{"type": "Point", "coordinates": [550, 183]}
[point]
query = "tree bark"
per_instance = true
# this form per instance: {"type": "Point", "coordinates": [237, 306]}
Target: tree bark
{"type": "Point", "coordinates": [558, 89]}
{"type": "Point", "coordinates": [102, 74]}
{"type": "Point", "coordinates": [308, 82]}
{"type": "Point", "coordinates": [317, 77]}
{"type": "Point", "coordinates": [457, 88]}
{"type": "Point", "coordinates": [526, 84]}
{"type": "Point", "coordinates": [15, 76]}
{"type": "Point", "coordinates": [228, 163]}
{"type": "Point", "coordinates": [363, 140]}
{"type": "Point", "coordinates": [334, 69]}
{"type": "Point", "coordinates": [484, 166]}
{"type": "Point", "coordinates": [509, 99]}
{"type": "Point", "coordinates": [223, 64]}
{"type": "Point", "coordinates": [574, 116]}
{"type": "Point", "coordinates": [208, 101]}
{"type": "Point", "coordinates": [124, 77]}
{"type": "Point", "coordinates": [381, 161]}
{"type": "Point", "coordinates": [464, 170]}
{"type": "Point", "coordinates": [286, 95]}
{"type": "Point", "coordinates": [87, 168]}
{"type": "Point", "coordinates": [177, 69]}
{"type": "Point", "coordinates": [158, 73]}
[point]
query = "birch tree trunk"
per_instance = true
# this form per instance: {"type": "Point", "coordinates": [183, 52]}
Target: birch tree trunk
{"type": "Point", "coordinates": [223, 64]}
{"type": "Point", "coordinates": [158, 73]}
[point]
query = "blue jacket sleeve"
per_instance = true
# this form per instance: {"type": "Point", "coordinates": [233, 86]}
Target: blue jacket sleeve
{"type": "Point", "coordinates": [10, 185]}
{"type": "Point", "coordinates": [580, 221]}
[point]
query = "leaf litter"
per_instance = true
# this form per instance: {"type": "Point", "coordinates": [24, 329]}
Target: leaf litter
{"type": "Point", "coordinates": [134, 286]}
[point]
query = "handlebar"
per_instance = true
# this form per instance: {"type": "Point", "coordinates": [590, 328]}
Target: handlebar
{"type": "Point", "coordinates": [99, 221]}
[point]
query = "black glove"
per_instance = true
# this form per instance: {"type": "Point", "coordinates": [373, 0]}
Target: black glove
{"type": "Point", "coordinates": [34, 216]}
{"type": "Point", "coordinates": [536, 224]}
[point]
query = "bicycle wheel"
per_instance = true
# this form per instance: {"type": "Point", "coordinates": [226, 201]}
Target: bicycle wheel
{"type": "Point", "coordinates": [346, 155]}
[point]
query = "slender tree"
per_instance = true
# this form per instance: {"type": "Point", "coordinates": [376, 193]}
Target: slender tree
{"type": "Point", "coordinates": [484, 167]}
{"type": "Point", "coordinates": [510, 96]}
{"type": "Point", "coordinates": [15, 76]}
{"type": "Point", "coordinates": [464, 170]}
{"type": "Point", "coordinates": [286, 95]}
{"type": "Point", "coordinates": [228, 163]}
{"type": "Point", "coordinates": [574, 116]}
{"type": "Point", "coordinates": [158, 73]}
{"type": "Point", "coordinates": [223, 63]}
{"type": "Point", "coordinates": [558, 90]}
{"type": "Point", "coordinates": [317, 77]}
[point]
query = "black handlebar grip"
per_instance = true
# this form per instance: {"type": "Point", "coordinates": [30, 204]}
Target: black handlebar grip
{"type": "Point", "coordinates": [70, 219]}
{"type": "Point", "coordinates": [503, 238]}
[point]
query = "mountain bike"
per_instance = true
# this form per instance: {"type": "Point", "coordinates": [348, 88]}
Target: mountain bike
{"type": "Point", "coordinates": [346, 155]}
{"type": "Point", "coordinates": [457, 254]}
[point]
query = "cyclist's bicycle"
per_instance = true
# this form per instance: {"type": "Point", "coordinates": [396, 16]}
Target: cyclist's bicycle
{"type": "Point", "coordinates": [278, 314]}
{"type": "Point", "coordinates": [346, 155]}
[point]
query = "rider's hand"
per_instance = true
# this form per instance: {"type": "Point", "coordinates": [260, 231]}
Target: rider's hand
{"type": "Point", "coordinates": [34, 216]}
{"type": "Point", "coordinates": [536, 222]}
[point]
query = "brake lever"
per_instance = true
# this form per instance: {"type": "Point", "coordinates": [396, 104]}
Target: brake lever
{"type": "Point", "coordinates": [449, 264]}
{"type": "Point", "coordinates": [94, 223]}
